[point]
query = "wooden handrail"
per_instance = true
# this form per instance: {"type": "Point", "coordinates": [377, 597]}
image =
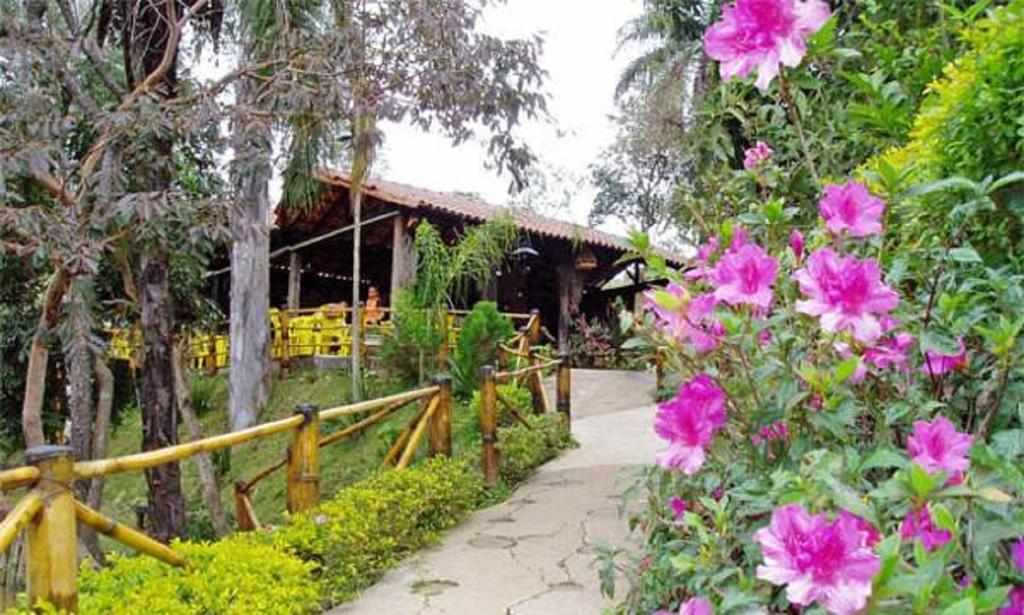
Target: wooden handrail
{"type": "Point", "coordinates": [127, 536]}
{"type": "Point", "coordinates": [18, 518]}
{"type": "Point", "coordinates": [18, 477]}
{"type": "Point", "coordinates": [525, 371]}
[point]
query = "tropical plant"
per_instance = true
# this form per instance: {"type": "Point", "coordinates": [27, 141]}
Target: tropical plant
{"type": "Point", "coordinates": [482, 330]}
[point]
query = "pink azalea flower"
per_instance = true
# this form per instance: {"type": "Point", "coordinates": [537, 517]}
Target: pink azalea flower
{"type": "Point", "coordinates": [938, 447]}
{"type": "Point", "coordinates": [796, 243]}
{"type": "Point", "coordinates": [846, 293]}
{"type": "Point", "coordinates": [851, 208]}
{"type": "Point", "coordinates": [745, 276]}
{"type": "Point", "coordinates": [755, 156]}
{"type": "Point", "coordinates": [693, 321]}
{"type": "Point", "coordinates": [689, 422]}
{"type": "Point", "coordinates": [937, 364]}
{"type": "Point", "coordinates": [818, 560]}
{"type": "Point", "coordinates": [891, 352]}
{"type": "Point", "coordinates": [1017, 554]}
{"type": "Point", "coordinates": [704, 253]}
{"type": "Point", "coordinates": [918, 524]}
{"type": "Point", "coordinates": [678, 506]}
{"type": "Point", "coordinates": [762, 34]}
{"type": "Point", "coordinates": [871, 534]}
{"type": "Point", "coordinates": [739, 239]}
{"type": "Point", "coordinates": [696, 606]}
{"type": "Point", "coordinates": [1015, 606]}
{"type": "Point", "coordinates": [764, 337]}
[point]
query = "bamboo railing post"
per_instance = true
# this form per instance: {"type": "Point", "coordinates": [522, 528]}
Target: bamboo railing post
{"type": "Point", "coordinates": [534, 327]}
{"type": "Point", "coordinates": [536, 386]}
{"type": "Point", "coordinates": [52, 535]}
{"type": "Point", "coordinates": [244, 511]}
{"type": "Point", "coordinates": [563, 387]}
{"type": "Point", "coordinates": [441, 420]}
{"type": "Point", "coordinates": [303, 488]}
{"type": "Point", "coordinates": [489, 425]}
{"type": "Point", "coordinates": [211, 363]}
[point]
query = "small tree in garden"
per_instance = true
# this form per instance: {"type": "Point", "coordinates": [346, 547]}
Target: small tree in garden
{"type": "Point", "coordinates": [482, 330]}
{"type": "Point", "coordinates": [445, 275]}
{"type": "Point", "coordinates": [844, 438]}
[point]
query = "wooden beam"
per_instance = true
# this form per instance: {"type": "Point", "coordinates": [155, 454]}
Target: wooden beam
{"type": "Point", "coordinates": [294, 281]}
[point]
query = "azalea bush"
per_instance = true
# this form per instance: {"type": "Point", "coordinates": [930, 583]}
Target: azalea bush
{"type": "Point", "coordinates": [847, 429]}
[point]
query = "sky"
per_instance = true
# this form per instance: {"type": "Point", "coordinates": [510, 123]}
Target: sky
{"type": "Point", "coordinates": [579, 57]}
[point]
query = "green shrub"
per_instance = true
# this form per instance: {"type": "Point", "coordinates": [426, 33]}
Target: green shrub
{"type": "Point", "coordinates": [524, 449]}
{"type": "Point", "coordinates": [409, 351]}
{"type": "Point", "coordinates": [369, 527]}
{"type": "Point", "coordinates": [520, 398]}
{"type": "Point", "coordinates": [239, 575]}
{"type": "Point", "coordinates": [482, 330]}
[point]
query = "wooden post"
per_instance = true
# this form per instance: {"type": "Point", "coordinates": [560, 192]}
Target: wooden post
{"type": "Point", "coordinates": [244, 511]}
{"type": "Point", "coordinates": [52, 535]}
{"type": "Point", "coordinates": [489, 425]}
{"type": "Point", "coordinates": [400, 256]}
{"type": "Point", "coordinates": [533, 334]}
{"type": "Point", "coordinates": [441, 420]}
{"type": "Point", "coordinates": [564, 387]}
{"type": "Point", "coordinates": [294, 281]}
{"type": "Point", "coordinates": [566, 275]}
{"type": "Point", "coordinates": [303, 489]}
{"type": "Point", "coordinates": [536, 386]}
{"type": "Point", "coordinates": [659, 370]}
{"type": "Point", "coordinates": [286, 343]}
{"type": "Point", "coordinates": [211, 363]}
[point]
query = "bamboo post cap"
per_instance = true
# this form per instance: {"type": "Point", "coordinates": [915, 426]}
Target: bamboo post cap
{"type": "Point", "coordinates": [441, 380]}
{"type": "Point", "coordinates": [563, 356]}
{"type": "Point", "coordinates": [534, 312]}
{"type": "Point", "coordinates": [487, 371]}
{"type": "Point", "coordinates": [45, 452]}
{"type": "Point", "coordinates": [307, 411]}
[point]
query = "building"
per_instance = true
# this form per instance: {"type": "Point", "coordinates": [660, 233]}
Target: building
{"type": "Point", "coordinates": [562, 268]}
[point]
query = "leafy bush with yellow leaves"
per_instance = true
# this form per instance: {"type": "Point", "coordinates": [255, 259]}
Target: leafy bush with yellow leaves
{"type": "Point", "coordinates": [524, 448]}
{"type": "Point", "coordinates": [372, 525]}
{"type": "Point", "coordinates": [237, 576]}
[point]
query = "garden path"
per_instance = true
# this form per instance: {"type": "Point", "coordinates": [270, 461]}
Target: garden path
{"type": "Point", "coordinates": [533, 554]}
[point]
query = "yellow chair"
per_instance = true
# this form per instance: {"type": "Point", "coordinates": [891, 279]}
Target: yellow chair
{"type": "Point", "coordinates": [302, 332]}
{"type": "Point", "coordinates": [333, 337]}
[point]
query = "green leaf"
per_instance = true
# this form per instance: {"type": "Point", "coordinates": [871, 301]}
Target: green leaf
{"type": "Point", "coordinates": [963, 607]}
{"type": "Point", "coordinates": [884, 457]}
{"type": "Point", "coordinates": [846, 369]}
{"type": "Point", "coordinates": [992, 598]}
{"type": "Point", "coordinates": [921, 482]}
{"type": "Point", "coordinates": [964, 254]}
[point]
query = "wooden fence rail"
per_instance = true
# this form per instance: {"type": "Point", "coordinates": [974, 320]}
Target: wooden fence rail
{"type": "Point", "coordinates": [49, 512]}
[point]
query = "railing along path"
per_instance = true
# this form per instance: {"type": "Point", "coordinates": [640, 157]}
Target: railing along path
{"type": "Point", "coordinates": [49, 512]}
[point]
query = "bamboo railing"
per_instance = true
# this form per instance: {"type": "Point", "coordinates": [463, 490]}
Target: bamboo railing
{"type": "Point", "coordinates": [512, 355]}
{"type": "Point", "coordinates": [49, 512]}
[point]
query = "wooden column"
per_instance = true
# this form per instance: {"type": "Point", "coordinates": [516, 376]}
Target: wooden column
{"type": "Point", "coordinates": [52, 535]}
{"type": "Point", "coordinates": [564, 387]}
{"type": "Point", "coordinates": [489, 425]}
{"type": "Point", "coordinates": [441, 420]}
{"type": "Point", "coordinates": [566, 284]}
{"type": "Point", "coordinates": [402, 260]}
{"type": "Point", "coordinates": [294, 281]}
{"type": "Point", "coordinates": [303, 489]}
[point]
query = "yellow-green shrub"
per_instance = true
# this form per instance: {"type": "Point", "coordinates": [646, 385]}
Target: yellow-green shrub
{"type": "Point", "coordinates": [236, 576]}
{"type": "Point", "coordinates": [369, 527]}
{"type": "Point", "coordinates": [523, 449]}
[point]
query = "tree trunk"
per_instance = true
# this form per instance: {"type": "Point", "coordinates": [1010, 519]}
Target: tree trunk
{"type": "Point", "coordinates": [166, 513]}
{"type": "Point", "coordinates": [101, 427]}
{"type": "Point", "coordinates": [38, 360]}
{"type": "Point", "coordinates": [250, 274]}
{"type": "Point", "coordinates": [361, 160]}
{"type": "Point", "coordinates": [207, 475]}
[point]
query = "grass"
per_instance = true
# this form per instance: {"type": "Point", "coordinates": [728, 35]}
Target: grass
{"type": "Point", "coordinates": [341, 464]}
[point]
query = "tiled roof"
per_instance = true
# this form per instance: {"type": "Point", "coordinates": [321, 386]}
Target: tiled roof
{"type": "Point", "coordinates": [472, 208]}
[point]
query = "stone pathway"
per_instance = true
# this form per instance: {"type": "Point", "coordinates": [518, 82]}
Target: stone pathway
{"type": "Point", "coordinates": [533, 554]}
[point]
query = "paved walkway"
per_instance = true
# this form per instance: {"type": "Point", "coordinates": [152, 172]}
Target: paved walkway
{"type": "Point", "coordinates": [532, 554]}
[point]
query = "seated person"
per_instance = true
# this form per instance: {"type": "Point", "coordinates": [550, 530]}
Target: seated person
{"type": "Point", "coordinates": [373, 314]}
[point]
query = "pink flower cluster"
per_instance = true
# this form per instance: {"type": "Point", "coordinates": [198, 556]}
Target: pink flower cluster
{"type": "Point", "coordinates": [756, 156]}
{"type": "Point", "coordinates": [1016, 605]}
{"type": "Point", "coordinates": [693, 606]}
{"type": "Point", "coordinates": [777, 430]}
{"type": "Point", "coordinates": [918, 524]}
{"type": "Point", "coordinates": [762, 34]}
{"type": "Point", "coordinates": [828, 562]}
{"type": "Point", "coordinates": [937, 363]}
{"type": "Point", "coordinates": [693, 321]}
{"type": "Point", "coordinates": [689, 423]}
{"type": "Point", "coordinates": [845, 293]}
{"type": "Point", "coordinates": [745, 276]}
{"type": "Point", "coordinates": [937, 446]}
{"type": "Point", "coordinates": [852, 209]}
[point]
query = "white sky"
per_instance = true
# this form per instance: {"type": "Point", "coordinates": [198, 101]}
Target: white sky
{"type": "Point", "coordinates": [580, 41]}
